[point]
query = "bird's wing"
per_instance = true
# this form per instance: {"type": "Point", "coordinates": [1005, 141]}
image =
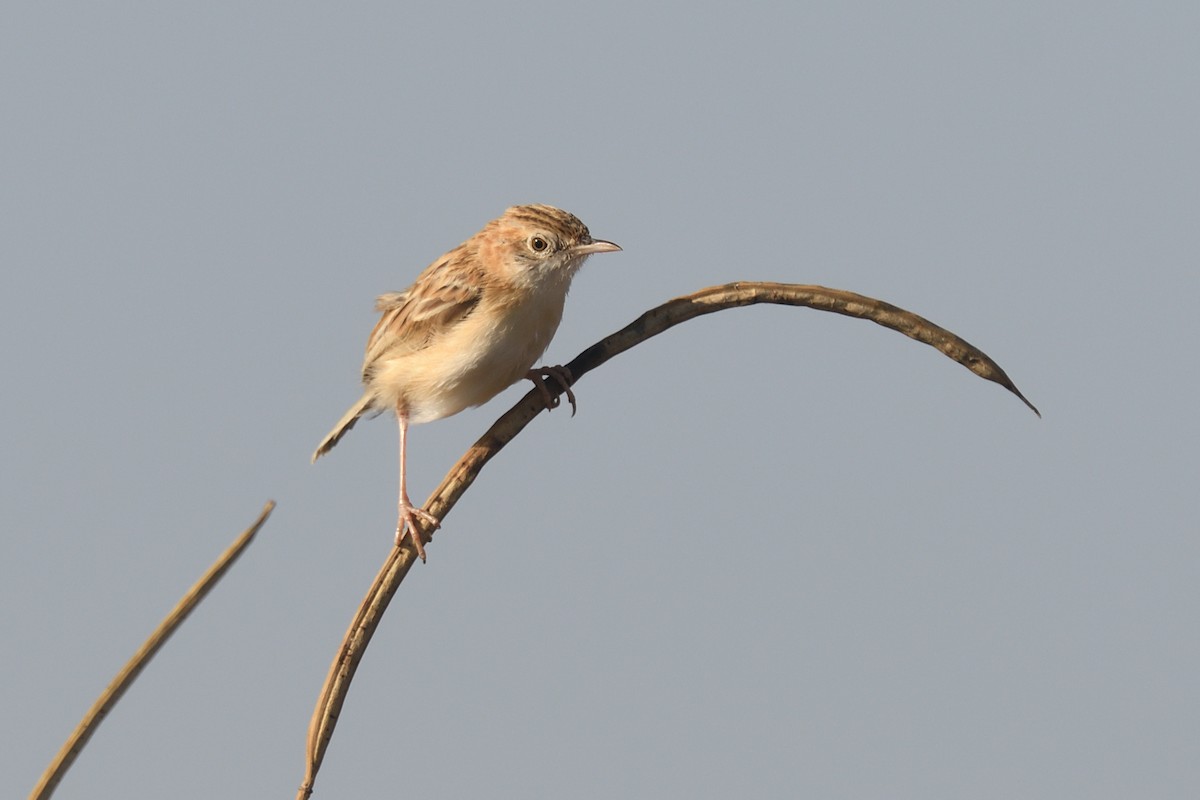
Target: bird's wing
{"type": "Point", "coordinates": [411, 320]}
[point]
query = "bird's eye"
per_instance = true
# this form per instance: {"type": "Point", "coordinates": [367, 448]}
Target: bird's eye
{"type": "Point", "coordinates": [538, 244]}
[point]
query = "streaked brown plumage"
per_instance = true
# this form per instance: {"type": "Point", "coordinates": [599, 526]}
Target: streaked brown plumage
{"type": "Point", "coordinates": [471, 325]}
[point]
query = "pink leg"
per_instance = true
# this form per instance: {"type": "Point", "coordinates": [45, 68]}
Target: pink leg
{"type": "Point", "coordinates": [409, 515]}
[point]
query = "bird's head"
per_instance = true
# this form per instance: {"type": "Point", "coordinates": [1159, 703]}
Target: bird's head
{"type": "Point", "coordinates": [537, 244]}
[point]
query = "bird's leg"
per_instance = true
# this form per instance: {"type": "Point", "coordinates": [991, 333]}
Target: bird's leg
{"type": "Point", "coordinates": [410, 515]}
{"type": "Point", "coordinates": [562, 376]}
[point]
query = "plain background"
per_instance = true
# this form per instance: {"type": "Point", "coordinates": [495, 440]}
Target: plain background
{"type": "Point", "coordinates": [777, 553]}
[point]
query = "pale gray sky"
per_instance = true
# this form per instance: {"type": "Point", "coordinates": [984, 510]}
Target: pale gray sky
{"type": "Point", "coordinates": [777, 553]}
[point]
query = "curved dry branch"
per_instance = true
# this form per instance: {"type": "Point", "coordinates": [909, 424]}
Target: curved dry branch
{"type": "Point", "coordinates": [104, 703]}
{"type": "Point", "coordinates": [652, 323]}
{"type": "Point", "coordinates": [746, 293]}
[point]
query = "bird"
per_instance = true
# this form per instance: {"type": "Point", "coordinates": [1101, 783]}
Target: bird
{"type": "Point", "coordinates": [472, 324]}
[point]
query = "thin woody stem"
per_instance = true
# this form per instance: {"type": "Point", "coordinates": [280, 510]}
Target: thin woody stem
{"type": "Point", "coordinates": [505, 429]}
{"type": "Point", "coordinates": [129, 673]}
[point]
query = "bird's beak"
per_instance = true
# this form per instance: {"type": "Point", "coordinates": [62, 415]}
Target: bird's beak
{"type": "Point", "coordinates": [594, 246]}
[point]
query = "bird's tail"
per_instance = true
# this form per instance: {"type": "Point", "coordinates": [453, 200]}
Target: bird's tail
{"type": "Point", "coordinates": [344, 424]}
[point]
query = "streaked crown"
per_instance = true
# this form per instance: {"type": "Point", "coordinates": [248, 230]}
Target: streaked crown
{"type": "Point", "coordinates": [568, 227]}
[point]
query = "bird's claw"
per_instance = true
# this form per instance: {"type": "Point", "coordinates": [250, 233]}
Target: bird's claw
{"type": "Point", "coordinates": [562, 376]}
{"type": "Point", "coordinates": [411, 522]}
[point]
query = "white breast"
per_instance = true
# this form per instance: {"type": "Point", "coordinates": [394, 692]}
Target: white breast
{"type": "Point", "coordinates": [476, 359]}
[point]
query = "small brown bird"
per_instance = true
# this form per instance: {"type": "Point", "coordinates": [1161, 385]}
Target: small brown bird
{"type": "Point", "coordinates": [471, 325]}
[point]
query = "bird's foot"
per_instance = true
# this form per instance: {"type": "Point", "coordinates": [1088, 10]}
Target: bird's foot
{"type": "Point", "coordinates": [562, 376]}
{"type": "Point", "coordinates": [411, 522]}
